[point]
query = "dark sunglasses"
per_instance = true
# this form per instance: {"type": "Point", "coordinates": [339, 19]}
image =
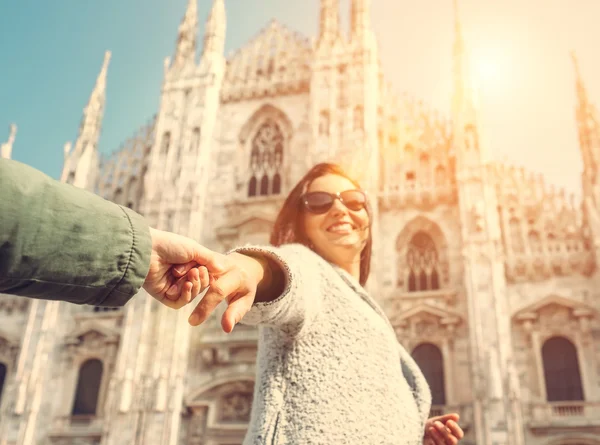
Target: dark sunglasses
{"type": "Point", "coordinates": [320, 202]}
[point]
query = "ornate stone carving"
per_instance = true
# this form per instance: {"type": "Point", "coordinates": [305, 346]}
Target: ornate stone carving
{"type": "Point", "coordinates": [236, 407]}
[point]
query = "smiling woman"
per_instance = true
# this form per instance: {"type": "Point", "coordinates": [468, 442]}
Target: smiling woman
{"type": "Point", "coordinates": [329, 367]}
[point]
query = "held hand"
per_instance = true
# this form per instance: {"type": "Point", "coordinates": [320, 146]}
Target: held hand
{"type": "Point", "coordinates": [178, 268]}
{"type": "Point", "coordinates": [237, 285]}
{"type": "Point", "coordinates": [443, 430]}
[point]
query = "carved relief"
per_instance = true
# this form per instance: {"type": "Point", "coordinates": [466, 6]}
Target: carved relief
{"type": "Point", "coordinates": [555, 316]}
{"type": "Point", "coordinates": [236, 407]}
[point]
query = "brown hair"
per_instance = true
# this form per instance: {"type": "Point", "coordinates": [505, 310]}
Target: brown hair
{"type": "Point", "coordinates": [289, 226]}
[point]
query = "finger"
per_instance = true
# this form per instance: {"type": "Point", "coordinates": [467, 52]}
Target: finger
{"type": "Point", "coordinates": [178, 303]}
{"type": "Point", "coordinates": [449, 439]}
{"type": "Point", "coordinates": [215, 262]}
{"type": "Point", "coordinates": [226, 286]}
{"type": "Point", "coordinates": [194, 277]}
{"type": "Point", "coordinates": [238, 307]}
{"type": "Point", "coordinates": [180, 270]}
{"type": "Point", "coordinates": [204, 277]}
{"type": "Point", "coordinates": [455, 429]}
{"type": "Point", "coordinates": [174, 291]}
{"type": "Point", "coordinates": [436, 436]}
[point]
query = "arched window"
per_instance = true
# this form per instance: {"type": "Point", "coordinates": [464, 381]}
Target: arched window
{"type": "Point", "coordinates": [166, 143]}
{"type": "Point", "coordinates": [359, 118]}
{"type": "Point", "coordinates": [252, 186]}
{"type": "Point", "coordinates": [440, 176]}
{"type": "Point", "coordinates": [422, 260]}
{"type": "Point", "coordinates": [2, 379]}
{"type": "Point", "coordinates": [430, 360]}
{"type": "Point", "coordinates": [516, 239]}
{"type": "Point", "coordinates": [324, 123]}
{"type": "Point", "coordinates": [266, 159]}
{"type": "Point", "coordinates": [534, 242]}
{"type": "Point", "coordinates": [195, 142]}
{"type": "Point", "coordinates": [561, 370]}
{"type": "Point", "coordinates": [276, 184]}
{"type": "Point", "coordinates": [88, 388]}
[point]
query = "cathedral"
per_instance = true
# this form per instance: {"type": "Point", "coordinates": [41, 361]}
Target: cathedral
{"type": "Point", "coordinates": [489, 275]}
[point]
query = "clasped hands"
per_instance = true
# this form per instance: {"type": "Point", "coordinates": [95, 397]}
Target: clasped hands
{"type": "Point", "coordinates": [180, 269]}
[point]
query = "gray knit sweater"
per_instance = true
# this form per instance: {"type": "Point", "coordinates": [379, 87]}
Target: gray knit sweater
{"type": "Point", "coordinates": [329, 368]}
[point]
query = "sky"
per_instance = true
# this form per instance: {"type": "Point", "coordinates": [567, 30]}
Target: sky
{"type": "Point", "coordinates": [51, 53]}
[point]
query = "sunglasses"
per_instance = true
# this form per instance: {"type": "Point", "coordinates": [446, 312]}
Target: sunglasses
{"type": "Point", "coordinates": [320, 202]}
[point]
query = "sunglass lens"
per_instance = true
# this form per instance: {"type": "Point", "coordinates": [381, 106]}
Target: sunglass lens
{"type": "Point", "coordinates": [318, 202]}
{"type": "Point", "coordinates": [354, 200]}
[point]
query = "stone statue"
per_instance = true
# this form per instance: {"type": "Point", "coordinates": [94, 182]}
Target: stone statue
{"type": "Point", "coordinates": [6, 148]}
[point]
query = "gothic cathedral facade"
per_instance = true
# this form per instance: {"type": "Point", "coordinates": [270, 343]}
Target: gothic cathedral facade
{"type": "Point", "coordinates": [489, 276]}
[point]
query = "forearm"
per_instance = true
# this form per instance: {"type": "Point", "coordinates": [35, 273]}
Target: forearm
{"type": "Point", "coordinates": [59, 242]}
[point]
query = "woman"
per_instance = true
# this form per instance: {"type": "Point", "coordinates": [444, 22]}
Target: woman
{"type": "Point", "coordinates": [330, 369]}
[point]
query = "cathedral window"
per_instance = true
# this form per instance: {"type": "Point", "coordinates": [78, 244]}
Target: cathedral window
{"type": "Point", "coordinates": [166, 143]}
{"type": "Point", "coordinates": [324, 123]}
{"type": "Point", "coordinates": [515, 236]}
{"type": "Point", "coordinates": [430, 360]}
{"type": "Point", "coordinates": [195, 142]}
{"type": "Point", "coordinates": [440, 176]}
{"type": "Point", "coordinates": [252, 186]}
{"type": "Point", "coordinates": [266, 160]}
{"type": "Point", "coordinates": [3, 373]}
{"type": "Point", "coordinates": [422, 261]}
{"type": "Point", "coordinates": [88, 388]}
{"type": "Point", "coordinates": [359, 118]}
{"type": "Point", "coordinates": [534, 242]}
{"type": "Point", "coordinates": [410, 180]}
{"type": "Point", "coordinates": [561, 370]}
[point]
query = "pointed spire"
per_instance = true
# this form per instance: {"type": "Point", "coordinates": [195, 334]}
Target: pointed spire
{"type": "Point", "coordinates": [6, 148]}
{"type": "Point", "coordinates": [329, 29]}
{"type": "Point", "coordinates": [464, 100]}
{"type": "Point", "coordinates": [360, 19]}
{"type": "Point", "coordinates": [588, 122]}
{"type": "Point", "coordinates": [187, 36]}
{"type": "Point", "coordinates": [91, 124]}
{"type": "Point", "coordinates": [214, 36]}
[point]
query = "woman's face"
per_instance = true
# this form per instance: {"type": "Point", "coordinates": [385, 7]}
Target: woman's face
{"type": "Point", "coordinates": [339, 234]}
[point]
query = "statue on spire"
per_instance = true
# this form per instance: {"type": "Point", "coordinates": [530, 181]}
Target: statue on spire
{"type": "Point", "coordinates": [6, 148]}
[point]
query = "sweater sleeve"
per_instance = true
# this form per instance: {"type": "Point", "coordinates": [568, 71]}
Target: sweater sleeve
{"type": "Point", "coordinates": [302, 298]}
{"type": "Point", "coordinates": [59, 242]}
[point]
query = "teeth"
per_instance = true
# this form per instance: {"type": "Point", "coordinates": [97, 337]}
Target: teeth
{"type": "Point", "coordinates": [341, 227]}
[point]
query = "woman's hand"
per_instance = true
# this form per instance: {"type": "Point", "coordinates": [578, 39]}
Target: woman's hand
{"type": "Point", "coordinates": [443, 430]}
{"type": "Point", "coordinates": [236, 283]}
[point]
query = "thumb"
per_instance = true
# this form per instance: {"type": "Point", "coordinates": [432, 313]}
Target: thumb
{"type": "Point", "coordinates": [236, 310]}
{"type": "Point", "coordinates": [213, 261]}
{"type": "Point", "coordinates": [447, 417]}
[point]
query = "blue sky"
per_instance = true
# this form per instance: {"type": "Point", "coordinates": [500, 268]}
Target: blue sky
{"type": "Point", "coordinates": [51, 53]}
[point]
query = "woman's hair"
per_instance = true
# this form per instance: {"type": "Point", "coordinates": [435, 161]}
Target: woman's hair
{"type": "Point", "coordinates": [289, 225]}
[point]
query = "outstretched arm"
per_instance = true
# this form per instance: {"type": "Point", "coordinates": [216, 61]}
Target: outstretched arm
{"type": "Point", "coordinates": [59, 242]}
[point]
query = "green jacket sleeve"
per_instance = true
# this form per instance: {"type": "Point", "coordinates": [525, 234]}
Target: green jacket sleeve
{"type": "Point", "coordinates": [59, 242]}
